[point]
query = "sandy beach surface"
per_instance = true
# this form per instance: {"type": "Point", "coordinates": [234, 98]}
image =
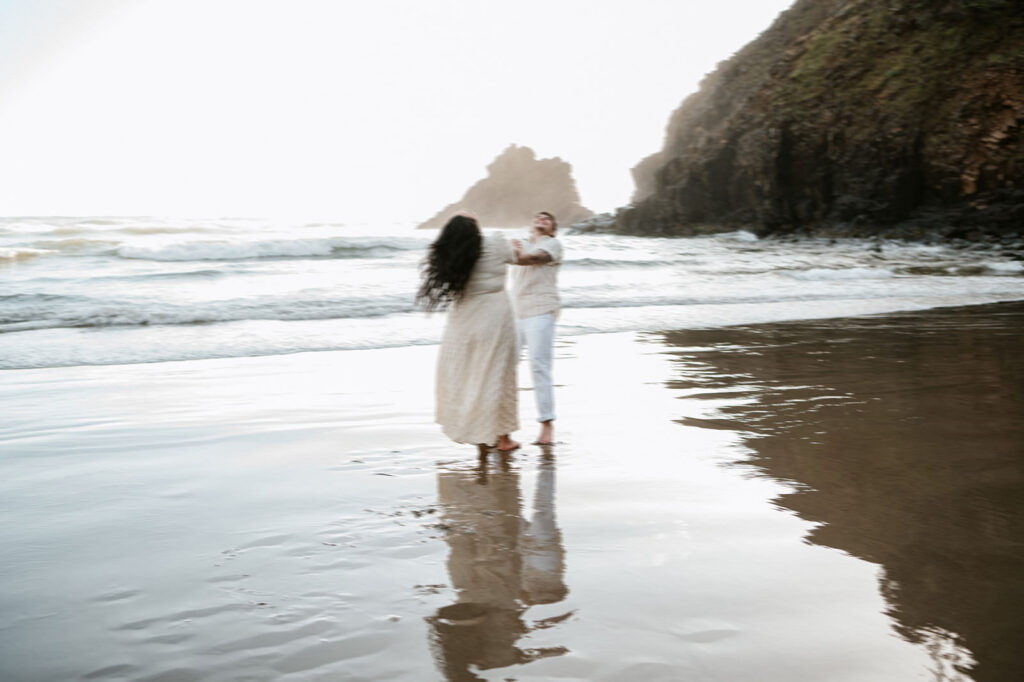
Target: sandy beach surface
{"type": "Point", "coordinates": [833, 500]}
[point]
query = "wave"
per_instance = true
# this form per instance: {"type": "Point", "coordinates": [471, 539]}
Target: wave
{"type": "Point", "coordinates": [77, 245]}
{"type": "Point", "coordinates": [21, 253]}
{"type": "Point", "coordinates": [624, 263]}
{"type": "Point", "coordinates": [187, 274]}
{"type": "Point", "coordinates": [142, 230]}
{"type": "Point", "coordinates": [62, 347]}
{"type": "Point", "coordinates": [138, 279]}
{"type": "Point", "coordinates": [1015, 267]}
{"type": "Point", "coordinates": [99, 221]}
{"type": "Point", "coordinates": [25, 312]}
{"type": "Point", "coordinates": [28, 311]}
{"type": "Point", "coordinates": [329, 247]}
{"type": "Point", "coordinates": [36, 299]}
{"type": "Point", "coordinates": [654, 300]}
{"type": "Point", "coordinates": [740, 236]}
{"type": "Point", "coordinates": [987, 268]}
{"type": "Point", "coordinates": [839, 273]}
{"type": "Point", "coordinates": [166, 229]}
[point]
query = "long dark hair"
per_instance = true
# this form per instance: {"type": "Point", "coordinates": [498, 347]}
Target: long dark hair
{"type": "Point", "coordinates": [449, 263]}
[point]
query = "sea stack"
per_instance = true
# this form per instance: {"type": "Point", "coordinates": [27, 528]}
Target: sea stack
{"type": "Point", "coordinates": [518, 184]}
{"type": "Point", "coordinates": [851, 117]}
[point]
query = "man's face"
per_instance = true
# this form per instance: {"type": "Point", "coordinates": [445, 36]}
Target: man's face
{"type": "Point", "coordinates": [543, 224]}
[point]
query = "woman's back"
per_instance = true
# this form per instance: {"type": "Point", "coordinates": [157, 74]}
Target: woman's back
{"type": "Point", "coordinates": [488, 274]}
{"type": "Point", "coordinates": [476, 369]}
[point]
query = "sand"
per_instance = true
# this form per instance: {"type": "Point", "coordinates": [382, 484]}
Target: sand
{"type": "Point", "coordinates": [829, 500]}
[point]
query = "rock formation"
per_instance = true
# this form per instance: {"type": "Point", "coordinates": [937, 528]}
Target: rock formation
{"type": "Point", "coordinates": [851, 117]}
{"type": "Point", "coordinates": [518, 184]}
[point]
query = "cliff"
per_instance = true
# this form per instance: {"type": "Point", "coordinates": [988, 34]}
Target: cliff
{"type": "Point", "coordinates": [851, 117]}
{"type": "Point", "coordinates": [518, 184]}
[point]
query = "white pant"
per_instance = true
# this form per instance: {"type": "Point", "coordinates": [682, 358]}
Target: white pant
{"type": "Point", "coordinates": [538, 333]}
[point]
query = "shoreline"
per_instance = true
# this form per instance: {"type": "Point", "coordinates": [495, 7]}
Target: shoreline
{"type": "Point", "coordinates": [301, 517]}
{"type": "Point", "coordinates": [685, 316]}
{"type": "Point", "coordinates": [927, 231]}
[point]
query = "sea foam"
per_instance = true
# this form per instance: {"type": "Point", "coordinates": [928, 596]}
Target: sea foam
{"type": "Point", "coordinates": [337, 247]}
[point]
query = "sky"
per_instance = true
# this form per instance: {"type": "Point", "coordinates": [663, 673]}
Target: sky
{"type": "Point", "coordinates": [381, 110]}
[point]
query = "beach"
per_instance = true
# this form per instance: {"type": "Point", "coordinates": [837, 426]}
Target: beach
{"type": "Point", "coordinates": [776, 247]}
{"type": "Point", "coordinates": [809, 500]}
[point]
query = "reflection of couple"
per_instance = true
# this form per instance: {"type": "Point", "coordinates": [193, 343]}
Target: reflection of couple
{"type": "Point", "coordinates": [499, 564]}
{"type": "Point", "coordinates": [476, 395]}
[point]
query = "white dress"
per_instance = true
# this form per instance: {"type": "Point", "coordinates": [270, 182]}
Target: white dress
{"type": "Point", "coordinates": [476, 398]}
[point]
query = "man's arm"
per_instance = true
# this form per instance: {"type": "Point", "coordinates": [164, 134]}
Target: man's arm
{"type": "Point", "coordinates": [536, 258]}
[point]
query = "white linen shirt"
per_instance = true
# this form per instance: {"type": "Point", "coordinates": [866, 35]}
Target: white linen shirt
{"type": "Point", "coordinates": [535, 287]}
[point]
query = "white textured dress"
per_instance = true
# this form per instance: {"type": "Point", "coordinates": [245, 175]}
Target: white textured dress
{"type": "Point", "coordinates": [476, 398]}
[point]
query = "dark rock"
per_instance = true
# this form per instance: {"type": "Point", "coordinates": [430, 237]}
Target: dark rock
{"type": "Point", "coordinates": [518, 184]}
{"type": "Point", "coordinates": [602, 222]}
{"type": "Point", "coordinates": [901, 118]}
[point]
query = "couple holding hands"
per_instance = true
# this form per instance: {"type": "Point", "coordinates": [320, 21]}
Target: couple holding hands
{"type": "Point", "coordinates": [465, 271]}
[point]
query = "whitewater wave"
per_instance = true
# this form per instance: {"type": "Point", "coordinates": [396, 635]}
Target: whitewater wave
{"type": "Point", "coordinates": [147, 289]}
{"type": "Point", "coordinates": [1010, 267]}
{"type": "Point", "coordinates": [21, 253]}
{"type": "Point", "coordinates": [741, 236]}
{"type": "Point", "coordinates": [77, 246]}
{"type": "Point", "coordinates": [827, 274]}
{"type": "Point", "coordinates": [34, 312]}
{"type": "Point", "coordinates": [330, 247]}
{"type": "Point", "coordinates": [621, 263]}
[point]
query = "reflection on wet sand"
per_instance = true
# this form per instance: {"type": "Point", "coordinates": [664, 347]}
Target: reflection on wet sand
{"type": "Point", "coordinates": [903, 437]}
{"type": "Point", "coordinates": [499, 563]}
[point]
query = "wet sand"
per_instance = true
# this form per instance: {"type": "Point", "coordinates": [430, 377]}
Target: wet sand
{"type": "Point", "coordinates": [828, 500]}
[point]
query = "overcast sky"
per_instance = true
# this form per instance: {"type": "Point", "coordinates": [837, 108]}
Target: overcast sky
{"type": "Point", "coordinates": [380, 109]}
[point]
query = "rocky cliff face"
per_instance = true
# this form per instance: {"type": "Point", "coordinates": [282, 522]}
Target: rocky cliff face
{"type": "Point", "coordinates": [518, 184]}
{"type": "Point", "coordinates": [851, 117]}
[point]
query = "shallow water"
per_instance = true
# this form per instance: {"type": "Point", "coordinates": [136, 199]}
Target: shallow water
{"type": "Point", "coordinates": [902, 438]}
{"type": "Point", "coordinates": [834, 500]}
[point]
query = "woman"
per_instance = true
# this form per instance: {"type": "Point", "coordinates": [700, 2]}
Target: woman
{"type": "Point", "coordinates": [476, 399]}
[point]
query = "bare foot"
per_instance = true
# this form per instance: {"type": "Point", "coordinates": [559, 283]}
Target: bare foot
{"type": "Point", "coordinates": [506, 444]}
{"type": "Point", "coordinates": [547, 434]}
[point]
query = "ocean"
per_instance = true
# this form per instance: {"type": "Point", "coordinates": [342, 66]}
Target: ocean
{"type": "Point", "coordinates": [122, 290]}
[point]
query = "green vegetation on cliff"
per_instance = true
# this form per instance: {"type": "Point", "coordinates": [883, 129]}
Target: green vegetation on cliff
{"type": "Point", "coordinates": [855, 117]}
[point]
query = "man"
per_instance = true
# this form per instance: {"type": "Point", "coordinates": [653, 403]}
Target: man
{"type": "Point", "coordinates": [535, 299]}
